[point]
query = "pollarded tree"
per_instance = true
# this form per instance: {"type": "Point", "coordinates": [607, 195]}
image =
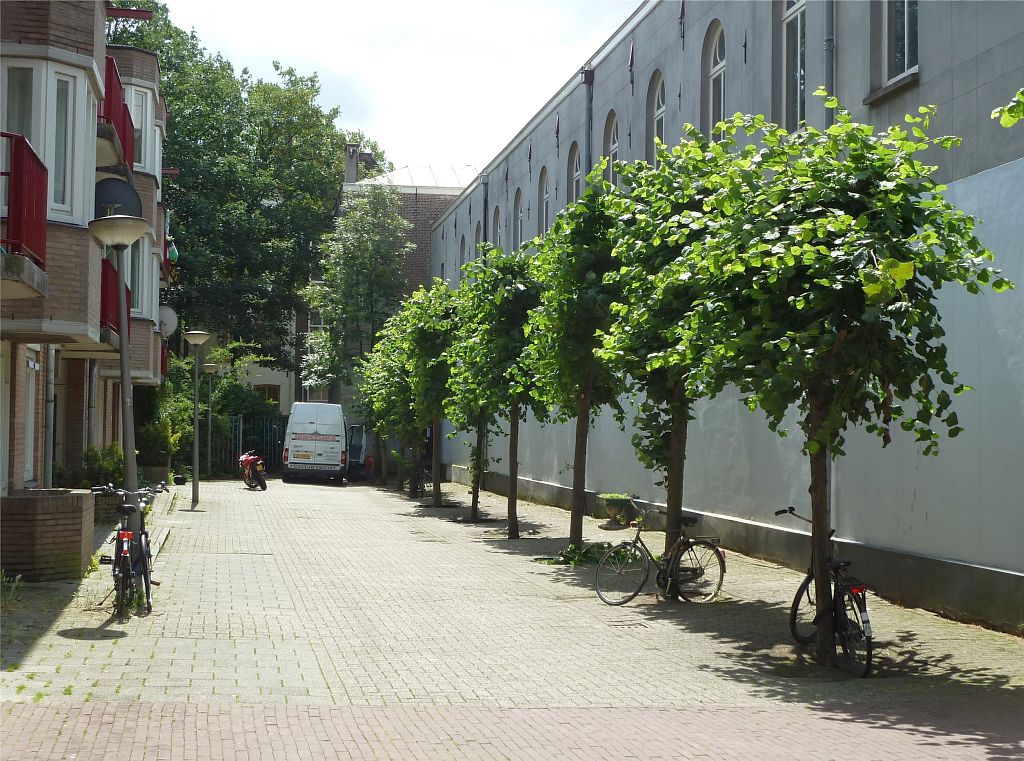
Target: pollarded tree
{"type": "Point", "coordinates": [385, 388]}
{"type": "Point", "coordinates": [658, 336]}
{"type": "Point", "coordinates": [571, 262]}
{"type": "Point", "coordinates": [428, 318]}
{"type": "Point", "coordinates": [829, 267]}
{"type": "Point", "coordinates": [488, 375]}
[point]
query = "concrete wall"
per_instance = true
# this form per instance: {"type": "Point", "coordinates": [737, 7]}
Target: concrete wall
{"type": "Point", "coordinates": [957, 517]}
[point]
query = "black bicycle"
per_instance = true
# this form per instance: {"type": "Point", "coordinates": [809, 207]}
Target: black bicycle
{"type": "Point", "coordinates": [691, 570]}
{"type": "Point", "coordinates": [131, 561]}
{"type": "Point", "coordinates": [849, 609]}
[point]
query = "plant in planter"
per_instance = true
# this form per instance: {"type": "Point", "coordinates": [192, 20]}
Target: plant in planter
{"type": "Point", "coordinates": [617, 508]}
{"type": "Point", "coordinates": [156, 445]}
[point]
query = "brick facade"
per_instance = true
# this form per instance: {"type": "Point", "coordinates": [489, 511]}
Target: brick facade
{"type": "Point", "coordinates": [134, 64]}
{"type": "Point", "coordinates": [422, 210]}
{"type": "Point", "coordinates": [60, 24]}
{"type": "Point", "coordinates": [76, 409]}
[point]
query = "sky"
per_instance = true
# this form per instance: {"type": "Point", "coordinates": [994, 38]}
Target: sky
{"type": "Point", "coordinates": [439, 82]}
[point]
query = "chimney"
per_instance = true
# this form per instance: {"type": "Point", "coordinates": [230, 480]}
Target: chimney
{"type": "Point", "coordinates": [352, 162]}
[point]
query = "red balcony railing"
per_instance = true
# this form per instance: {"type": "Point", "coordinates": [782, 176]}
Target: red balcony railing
{"type": "Point", "coordinates": [26, 199]}
{"type": "Point", "coordinates": [108, 299]}
{"type": "Point", "coordinates": [116, 111]}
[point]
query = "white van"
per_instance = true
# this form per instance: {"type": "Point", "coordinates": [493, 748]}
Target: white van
{"type": "Point", "coordinates": [315, 441]}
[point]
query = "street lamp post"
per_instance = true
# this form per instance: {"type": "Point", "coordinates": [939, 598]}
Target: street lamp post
{"type": "Point", "coordinates": [120, 231]}
{"type": "Point", "coordinates": [210, 369]}
{"type": "Point", "coordinates": [196, 338]}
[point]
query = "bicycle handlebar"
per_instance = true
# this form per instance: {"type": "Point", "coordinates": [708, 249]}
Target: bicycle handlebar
{"type": "Point", "coordinates": [145, 490]}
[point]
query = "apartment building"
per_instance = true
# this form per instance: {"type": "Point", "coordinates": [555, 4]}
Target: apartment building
{"type": "Point", "coordinates": [74, 112]}
{"type": "Point", "coordinates": [940, 532]}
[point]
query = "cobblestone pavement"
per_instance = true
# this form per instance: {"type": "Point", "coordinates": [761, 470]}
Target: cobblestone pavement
{"type": "Point", "coordinates": [313, 621]}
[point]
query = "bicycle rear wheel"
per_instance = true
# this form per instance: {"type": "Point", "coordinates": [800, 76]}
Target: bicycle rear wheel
{"type": "Point", "coordinates": [123, 592]}
{"type": "Point", "coordinates": [622, 573]}
{"type": "Point", "coordinates": [854, 631]}
{"type": "Point", "coordinates": [802, 613]}
{"type": "Point", "coordinates": [699, 572]}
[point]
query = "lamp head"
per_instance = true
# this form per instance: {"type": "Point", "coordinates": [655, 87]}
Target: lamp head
{"type": "Point", "coordinates": [118, 230]}
{"type": "Point", "coordinates": [196, 337]}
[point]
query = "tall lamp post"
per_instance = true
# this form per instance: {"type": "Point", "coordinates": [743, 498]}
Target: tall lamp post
{"type": "Point", "coordinates": [119, 231]}
{"type": "Point", "coordinates": [196, 338]}
{"type": "Point", "coordinates": [210, 369]}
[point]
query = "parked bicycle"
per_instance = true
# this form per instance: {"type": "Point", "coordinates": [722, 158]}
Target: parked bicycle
{"type": "Point", "coordinates": [132, 556]}
{"type": "Point", "coordinates": [692, 569]}
{"type": "Point", "coordinates": [849, 609]}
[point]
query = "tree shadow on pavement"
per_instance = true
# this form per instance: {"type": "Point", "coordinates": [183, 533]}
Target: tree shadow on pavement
{"type": "Point", "coordinates": [918, 685]}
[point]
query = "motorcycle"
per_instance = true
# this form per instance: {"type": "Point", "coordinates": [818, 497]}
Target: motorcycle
{"type": "Point", "coordinates": [252, 470]}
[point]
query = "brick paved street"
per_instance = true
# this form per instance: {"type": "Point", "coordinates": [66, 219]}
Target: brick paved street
{"type": "Point", "coordinates": [312, 621]}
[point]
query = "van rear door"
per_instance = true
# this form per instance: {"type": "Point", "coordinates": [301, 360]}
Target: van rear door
{"type": "Point", "coordinates": [330, 444]}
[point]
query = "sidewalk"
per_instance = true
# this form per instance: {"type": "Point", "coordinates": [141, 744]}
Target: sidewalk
{"type": "Point", "coordinates": [312, 621]}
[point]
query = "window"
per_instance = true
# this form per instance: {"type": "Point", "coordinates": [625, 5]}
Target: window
{"type": "Point", "coordinates": [655, 116]}
{"type": "Point", "coordinates": [477, 240]}
{"type": "Point", "coordinates": [462, 253]}
{"type": "Point", "coordinates": [574, 174]}
{"type": "Point", "coordinates": [543, 203]}
{"type": "Point", "coordinates": [611, 145]}
{"type": "Point", "coordinates": [136, 281]}
{"type": "Point", "coordinates": [19, 101]}
{"type": "Point", "coordinates": [316, 321]}
{"type": "Point", "coordinates": [268, 393]}
{"type": "Point", "coordinates": [140, 100]}
{"type": "Point", "coordinates": [901, 34]}
{"type": "Point", "coordinates": [714, 79]}
{"type": "Point", "coordinates": [62, 166]}
{"type": "Point", "coordinates": [496, 229]}
{"type": "Point", "coordinates": [517, 221]}
{"type": "Point", "coordinates": [794, 86]}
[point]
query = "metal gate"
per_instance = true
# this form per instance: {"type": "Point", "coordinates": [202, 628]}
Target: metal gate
{"type": "Point", "coordinates": [239, 433]}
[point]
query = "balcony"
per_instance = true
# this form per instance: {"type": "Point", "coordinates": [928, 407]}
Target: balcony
{"type": "Point", "coordinates": [24, 233]}
{"type": "Point", "coordinates": [108, 299]}
{"type": "Point", "coordinates": [115, 127]}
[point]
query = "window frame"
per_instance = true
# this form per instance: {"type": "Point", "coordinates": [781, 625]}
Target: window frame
{"type": "Point", "coordinates": [496, 228]}
{"type": "Point", "coordinates": [794, 14]}
{"type": "Point", "coordinates": [716, 73]}
{"type": "Point", "coordinates": [574, 174]}
{"type": "Point", "coordinates": [543, 202]}
{"type": "Point", "coordinates": [891, 73]}
{"type": "Point", "coordinates": [611, 145]}
{"type": "Point", "coordinates": [517, 220]}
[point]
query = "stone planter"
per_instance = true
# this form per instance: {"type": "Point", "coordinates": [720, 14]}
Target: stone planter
{"type": "Point", "coordinates": [156, 474]}
{"type": "Point", "coordinates": [614, 507]}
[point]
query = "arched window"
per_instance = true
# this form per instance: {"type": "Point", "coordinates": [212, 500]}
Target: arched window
{"type": "Point", "coordinates": [517, 221]}
{"type": "Point", "coordinates": [655, 115]}
{"type": "Point", "coordinates": [477, 240]}
{"type": "Point", "coordinates": [574, 174]}
{"type": "Point", "coordinates": [462, 254]}
{"type": "Point", "coordinates": [543, 203]}
{"type": "Point", "coordinates": [713, 88]}
{"type": "Point", "coordinates": [497, 227]}
{"type": "Point", "coordinates": [794, 83]}
{"type": "Point", "coordinates": [611, 145]}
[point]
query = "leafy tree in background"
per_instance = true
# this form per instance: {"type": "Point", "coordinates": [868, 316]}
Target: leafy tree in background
{"type": "Point", "coordinates": [571, 261]}
{"type": "Point", "coordinates": [833, 247]}
{"type": "Point", "coordinates": [360, 284]}
{"type": "Point", "coordinates": [261, 167]}
{"type": "Point", "coordinates": [488, 375]}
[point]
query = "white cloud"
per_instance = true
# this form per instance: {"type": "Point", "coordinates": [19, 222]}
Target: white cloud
{"type": "Point", "coordinates": [446, 82]}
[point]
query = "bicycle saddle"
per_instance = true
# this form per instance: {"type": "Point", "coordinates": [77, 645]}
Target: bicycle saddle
{"type": "Point", "coordinates": [127, 509]}
{"type": "Point", "coordinates": [690, 520]}
{"type": "Point", "coordinates": [836, 564]}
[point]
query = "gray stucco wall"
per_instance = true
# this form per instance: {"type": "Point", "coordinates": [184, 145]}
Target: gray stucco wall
{"type": "Point", "coordinates": [967, 505]}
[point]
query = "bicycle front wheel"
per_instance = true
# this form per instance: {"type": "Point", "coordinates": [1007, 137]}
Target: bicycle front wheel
{"type": "Point", "coordinates": [699, 572]}
{"type": "Point", "coordinates": [622, 573]}
{"type": "Point", "coordinates": [803, 613]}
{"type": "Point", "coordinates": [854, 631]}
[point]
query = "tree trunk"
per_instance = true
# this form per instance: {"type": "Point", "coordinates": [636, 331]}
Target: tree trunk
{"type": "Point", "coordinates": [579, 464]}
{"type": "Point", "coordinates": [676, 460]}
{"type": "Point", "coordinates": [818, 399]}
{"type": "Point", "coordinates": [435, 464]}
{"type": "Point", "coordinates": [415, 464]}
{"type": "Point", "coordinates": [478, 470]}
{"type": "Point", "coordinates": [513, 470]}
